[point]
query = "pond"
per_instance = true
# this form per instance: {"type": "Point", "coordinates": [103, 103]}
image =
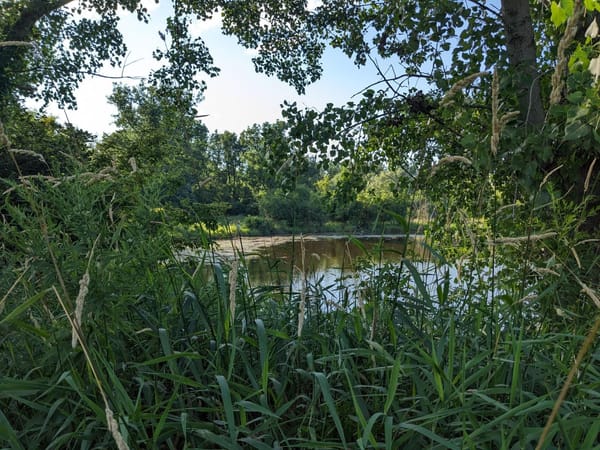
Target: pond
{"type": "Point", "coordinates": [331, 267]}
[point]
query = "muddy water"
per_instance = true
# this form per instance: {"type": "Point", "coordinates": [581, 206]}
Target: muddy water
{"type": "Point", "coordinates": [326, 261]}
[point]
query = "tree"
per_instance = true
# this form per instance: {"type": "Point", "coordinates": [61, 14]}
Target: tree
{"type": "Point", "coordinates": [438, 98]}
{"type": "Point", "coordinates": [268, 161]}
{"type": "Point", "coordinates": [536, 114]}
{"type": "Point", "coordinates": [226, 152]}
{"type": "Point", "coordinates": [39, 144]}
{"type": "Point", "coordinates": [160, 139]}
{"type": "Point", "coordinates": [50, 46]}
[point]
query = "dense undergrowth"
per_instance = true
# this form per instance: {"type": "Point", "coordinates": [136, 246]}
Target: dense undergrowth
{"type": "Point", "coordinates": [109, 340]}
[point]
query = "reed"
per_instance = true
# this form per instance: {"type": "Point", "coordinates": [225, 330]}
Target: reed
{"type": "Point", "coordinates": [185, 353]}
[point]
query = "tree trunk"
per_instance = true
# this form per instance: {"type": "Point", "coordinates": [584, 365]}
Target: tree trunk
{"type": "Point", "coordinates": [12, 62]}
{"type": "Point", "coordinates": [520, 43]}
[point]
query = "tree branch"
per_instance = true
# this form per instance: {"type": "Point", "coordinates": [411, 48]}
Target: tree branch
{"type": "Point", "coordinates": [487, 8]}
{"type": "Point", "coordinates": [30, 15]}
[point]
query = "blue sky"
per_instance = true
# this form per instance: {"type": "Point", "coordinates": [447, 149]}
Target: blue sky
{"type": "Point", "coordinates": [236, 99]}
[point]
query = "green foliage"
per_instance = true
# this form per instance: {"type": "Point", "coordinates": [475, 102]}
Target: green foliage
{"type": "Point", "coordinates": [108, 332]}
{"type": "Point", "coordinates": [297, 208]}
{"type": "Point", "coordinates": [54, 45]}
{"type": "Point", "coordinates": [40, 144]}
{"type": "Point", "coordinates": [260, 225]}
{"type": "Point", "coordinates": [187, 354]}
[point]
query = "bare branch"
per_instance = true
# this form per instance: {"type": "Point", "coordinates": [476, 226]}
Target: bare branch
{"type": "Point", "coordinates": [487, 8]}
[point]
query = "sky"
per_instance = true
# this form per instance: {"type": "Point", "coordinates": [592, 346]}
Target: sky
{"type": "Point", "coordinates": [233, 101]}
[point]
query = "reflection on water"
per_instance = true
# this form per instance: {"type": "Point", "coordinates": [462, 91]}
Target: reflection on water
{"type": "Point", "coordinates": [327, 268]}
{"type": "Point", "coordinates": [342, 272]}
{"type": "Point", "coordinates": [328, 258]}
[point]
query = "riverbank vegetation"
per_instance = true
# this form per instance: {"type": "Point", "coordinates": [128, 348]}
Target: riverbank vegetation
{"type": "Point", "coordinates": [110, 337]}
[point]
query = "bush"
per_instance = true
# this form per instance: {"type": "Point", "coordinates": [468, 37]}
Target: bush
{"type": "Point", "coordinates": [299, 207]}
{"type": "Point", "coordinates": [260, 225]}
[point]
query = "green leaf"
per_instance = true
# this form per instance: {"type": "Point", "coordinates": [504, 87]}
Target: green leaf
{"type": "Point", "coordinates": [228, 407]}
{"type": "Point", "coordinates": [576, 130]}
{"type": "Point", "coordinates": [558, 14]}
{"type": "Point", "coordinates": [254, 407]}
{"type": "Point", "coordinates": [165, 343]}
{"type": "Point", "coordinates": [392, 385]}
{"type": "Point", "coordinates": [8, 433]}
{"type": "Point", "coordinates": [221, 441]}
{"type": "Point", "coordinates": [325, 389]}
{"type": "Point", "coordinates": [579, 59]}
{"type": "Point", "coordinates": [23, 307]}
{"type": "Point", "coordinates": [263, 352]}
{"type": "Point", "coordinates": [429, 434]}
{"type": "Point", "coordinates": [592, 5]}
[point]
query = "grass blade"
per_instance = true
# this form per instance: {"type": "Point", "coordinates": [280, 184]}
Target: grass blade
{"type": "Point", "coordinates": [325, 389]}
{"type": "Point", "coordinates": [8, 434]}
{"type": "Point", "coordinates": [392, 385]}
{"type": "Point", "coordinates": [228, 407]}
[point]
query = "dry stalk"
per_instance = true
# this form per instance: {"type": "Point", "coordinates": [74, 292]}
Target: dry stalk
{"type": "Point", "coordinates": [520, 239]}
{"type": "Point", "coordinates": [590, 293]}
{"type": "Point", "coordinates": [83, 290]}
{"type": "Point", "coordinates": [79, 302]}
{"type": "Point", "coordinates": [16, 44]}
{"type": "Point", "coordinates": [586, 185]}
{"type": "Point", "coordinates": [5, 143]}
{"type": "Point", "coordinates": [498, 121]}
{"type": "Point", "coordinates": [576, 256]}
{"type": "Point", "coordinates": [587, 343]}
{"type": "Point", "coordinates": [302, 305]}
{"type": "Point", "coordinates": [133, 164]}
{"type": "Point", "coordinates": [3, 301]}
{"type": "Point", "coordinates": [20, 151]}
{"type": "Point", "coordinates": [558, 77]}
{"type": "Point", "coordinates": [587, 241]}
{"type": "Point", "coordinates": [459, 86]}
{"type": "Point", "coordinates": [545, 271]}
{"type": "Point", "coordinates": [113, 427]}
{"type": "Point", "coordinates": [549, 174]}
{"type": "Point", "coordinates": [233, 274]}
{"type": "Point", "coordinates": [450, 160]}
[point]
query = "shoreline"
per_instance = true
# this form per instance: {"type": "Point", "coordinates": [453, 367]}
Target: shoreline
{"type": "Point", "coordinates": [249, 244]}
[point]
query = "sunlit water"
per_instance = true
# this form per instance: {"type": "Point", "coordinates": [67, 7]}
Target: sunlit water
{"type": "Point", "coordinates": [334, 270]}
{"type": "Point", "coordinates": [338, 271]}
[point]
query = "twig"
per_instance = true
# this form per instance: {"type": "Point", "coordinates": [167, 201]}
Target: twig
{"type": "Point", "coordinates": [563, 393]}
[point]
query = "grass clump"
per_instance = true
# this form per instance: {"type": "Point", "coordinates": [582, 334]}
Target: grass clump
{"type": "Point", "coordinates": [182, 354]}
{"type": "Point", "coordinates": [185, 353]}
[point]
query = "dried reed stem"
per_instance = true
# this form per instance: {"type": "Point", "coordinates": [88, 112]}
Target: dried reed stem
{"type": "Point", "coordinates": [498, 121]}
{"type": "Point", "coordinates": [587, 343]}
{"type": "Point", "coordinates": [549, 174]}
{"type": "Point", "coordinates": [233, 274]}
{"type": "Point", "coordinates": [450, 160]}
{"type": "Point", "coordinates": [79, 302]}
{"type": "Point", "coordinates": [3, 301]}
{"type": "Point", "coordinates": [586, 185]}
{"type": "Point", "coordinates": [20, 151]}
{"type": "Point", "coordinates": [558, 78]}
{"type": "Point", "coordinates": [519, 239]}
{"type": "Point", "coordinates": [590, 293]}
{"type": "Point", "coordinates": [113, 427]}
{"type": "Point", "coordinates": [302, 305]}
{"type": "Point", "coordinates": [459, 86]}
{"type": "Point", "coordinates": [16, 44]}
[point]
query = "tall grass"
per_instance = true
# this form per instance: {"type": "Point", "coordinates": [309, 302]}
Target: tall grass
{"type": "Point", "coordinates": [171, 358]}
{"type": "Point", "coordinates": [110, 340]}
